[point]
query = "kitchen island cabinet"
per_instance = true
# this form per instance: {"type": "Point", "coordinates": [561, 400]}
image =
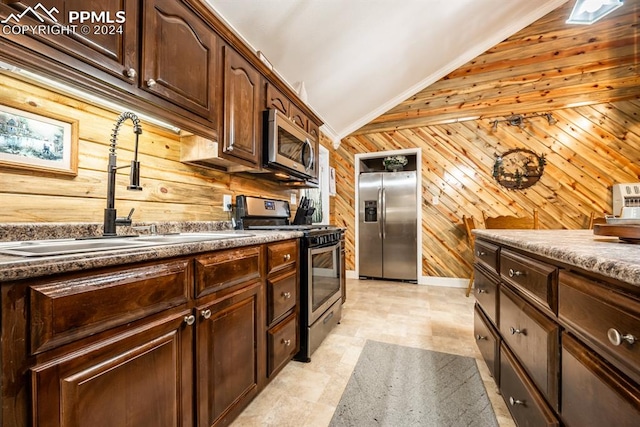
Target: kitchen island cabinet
{"type": "Point", "coordinates": [170, 341]}
{"type": "Point", "coordinates": [566, 325]}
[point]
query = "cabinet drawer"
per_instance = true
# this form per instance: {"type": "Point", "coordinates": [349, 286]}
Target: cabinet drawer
{"type": "Point", "coordinates": [487, 340]}
{"type": "Point", "coordinates": [486, 293]}
{"type": "Point", "coordinates": [487, 254]}
{"type": "Point", "coordinates": [536, 279]}
{"type": "Point", "coordinates": [527, 407]}
{"type": "Point", "coordinates": [66, 310]}
{"type": "Point", "coordinates": [282, 294]}
{"type": "Point", "coordinates": [282, 342]}
{"type": "Point", "coordinates": [593, 311]}
{"type": "Point", "coordinates": [281, 255]}
{"type": "Point", "coordinates": [534, 339]}
{"type": "Point", "coordinates": [225, 269]}
{"type": "Point", "coordinates": [593, 393]}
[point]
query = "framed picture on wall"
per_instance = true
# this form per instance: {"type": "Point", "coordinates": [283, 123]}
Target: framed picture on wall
{"type": "Point", "coordinates": [36, 142]}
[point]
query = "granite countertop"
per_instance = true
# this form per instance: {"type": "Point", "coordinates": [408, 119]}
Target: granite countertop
{"type": "Point", "coordinates": [19, 267]}
{"type": "Point", "coordinates": [607, 256]}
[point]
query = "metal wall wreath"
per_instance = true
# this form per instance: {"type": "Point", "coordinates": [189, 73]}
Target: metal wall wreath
{"type": "Point", "coordinates": [518, 168]}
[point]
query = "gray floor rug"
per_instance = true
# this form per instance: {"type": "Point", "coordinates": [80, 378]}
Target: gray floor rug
{"type": "Point", "coordinates": [398, 386]}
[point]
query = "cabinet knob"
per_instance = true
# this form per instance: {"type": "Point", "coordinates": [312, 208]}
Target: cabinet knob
{"type": "Point", "coordinates": [206, 313]}
{"type": "Point", "coordinates": [481, 291]}
{"type": "Point", "coordinates": [480, 253]}
{"type": "Point", "coordinates": [286, 343]}
{"type": "Point", "coordinates": [480, 337]}
{"type": "Point", "coordinates": [517, 331]}
{"type": "Point", "coordinates": [286, 295]}
{"type": "Point", "coordinates": [616, 338]}
{"type": "Point", "coordinates": [190, 319]}
{"type": "Point", "coordinates": [516, 273]}
{"type": "Point", "coordinates": [131, 73]}
{"type": "Point", "coordinates": [514, 402]}
{"type": "Point", "coordinates": [151, 83]}
{"type": "Point", "coordinates": [287, 257]}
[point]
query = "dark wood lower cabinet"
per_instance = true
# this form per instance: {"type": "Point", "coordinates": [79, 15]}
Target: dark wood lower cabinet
{"type": "Point", "coordinates": [567, 338]}
{"type": "Point", "coordinates": [525, 403]}
{"type": "Point", "coordinates": [175, 342]}
{"type": "Point", "coordinates": [593, 393]}
{"type": "Point", "coordinates": [138, 378]}
{"type": "Point", "coordinates": [230, 354]}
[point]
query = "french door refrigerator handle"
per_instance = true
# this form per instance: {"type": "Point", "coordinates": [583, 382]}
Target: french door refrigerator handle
{"type": "Point", "coordinates": [384, 212]}
{"type": "Point", "coordinates": [379, 212]}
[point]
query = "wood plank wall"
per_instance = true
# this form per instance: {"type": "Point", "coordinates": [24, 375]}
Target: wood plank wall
{"type": "Point", "coordinates": [543, 68]}
{"type": "Point", "coordinates": [172, 191]}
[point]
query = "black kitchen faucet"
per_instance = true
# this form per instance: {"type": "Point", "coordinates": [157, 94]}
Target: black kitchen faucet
{"type": "Point", "coordinates": [110, 218]}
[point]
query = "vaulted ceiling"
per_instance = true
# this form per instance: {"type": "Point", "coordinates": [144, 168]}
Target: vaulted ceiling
{"type": "Point", "coordinates": [358, 59]}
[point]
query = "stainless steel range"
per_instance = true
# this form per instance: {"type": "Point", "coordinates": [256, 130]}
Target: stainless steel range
{"type": "Point", "coordinates": [321, 277]}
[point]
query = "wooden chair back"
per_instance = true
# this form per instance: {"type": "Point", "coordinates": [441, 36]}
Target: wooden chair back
{"type": "Point", "coordinates": [593, 220]}
{"type": "Point", "coordinates": [469, 224]}
{"type": "Point", "coordinates": [507, 221]}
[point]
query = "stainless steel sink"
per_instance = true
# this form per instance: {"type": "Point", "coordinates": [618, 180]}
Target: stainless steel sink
{"type": "Point", "coordinates": [190, 237]}
{"type": "Point", "coordinates": [62, 247]}
{"type": "Point", "coordinates": [72, 246]}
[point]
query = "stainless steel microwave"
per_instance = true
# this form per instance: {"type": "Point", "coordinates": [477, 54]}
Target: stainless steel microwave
{"type": "Point", "coordinates": [288, 147]}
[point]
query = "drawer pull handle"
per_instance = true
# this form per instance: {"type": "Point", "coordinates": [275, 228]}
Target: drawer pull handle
{"type": "Point", "coordinates": [616, 338]}
{"type": "Point", "coordinates": [286, 295]}
{"type": "Point", "coordinates": [480, 337]}
{"type": "Point", "coordinates": [206, 313]}
{"type": "Point", "coordinates": [151, 83]}
{"type": "Point", "coordinates": [286, 343]}
{"type": "Point", "coordinates": [516, 273]}
{"type": "Point", "coordinates": [190, 319]}
{"type": "Point", "coordinates": [514, 402]}
{"type": "Point", "coordinates": [287, 257]}
{"type": "Point", "coordinates": [517, 331]}
{"type": "Point", "coordinates": [482, 291]}
{"type": "Point", "coordinates": [131, 73]}
{"type": "Point", "coordinates": [480, 253]}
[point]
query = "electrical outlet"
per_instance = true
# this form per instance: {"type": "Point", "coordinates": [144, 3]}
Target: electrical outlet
{"type": "Point", "coordinates": [226, 202]}
{"type": "Point", "coordinates": [294, 199]}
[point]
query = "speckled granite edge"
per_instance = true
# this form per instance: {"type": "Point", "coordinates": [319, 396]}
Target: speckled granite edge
{"type": "Point", "coordinates": [607, 256]}
{"type": "Point", "coordinates": [17, 267]}
{"type": "Point", "coordinates": [51, 230]}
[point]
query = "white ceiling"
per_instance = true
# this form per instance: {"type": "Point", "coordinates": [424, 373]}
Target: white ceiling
{"type": "Point", "coordinates": [359, 58]}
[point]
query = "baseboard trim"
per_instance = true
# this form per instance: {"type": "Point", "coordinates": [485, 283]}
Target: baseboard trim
{"type": "Point", "coordinates": [446, 282]}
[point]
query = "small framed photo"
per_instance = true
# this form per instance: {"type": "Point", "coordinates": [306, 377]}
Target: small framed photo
{"type": "Point", "coordinates": [40, 143]}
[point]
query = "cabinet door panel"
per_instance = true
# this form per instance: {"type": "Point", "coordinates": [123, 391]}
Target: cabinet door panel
{"type": "Point", "coordinates": [486, 293]}
{"type": "Point", "coordinates": [179, 55]}
{"type": "Point", "coordinates": [133, 380]}
{"type": "Point", "coordinates": [242, 107]}
{"type": "Point", "coordinates": [526, 405]}
{"type": "Point", "coordinates": [112, 47]}
{"type": "Point", "coordinates": [594, 394]}
{"type": "Point", "coordinates": [281, 295]}
{"type": "Point", "coordinates": [65, 310]}
{"type": "Point", "coordinates": [488, 342]}
{"type": "Point", "coordinates": [591, 311]}
{"type": "Point", "coordinates": [282, 343]}
{"type": "Point", "coordinates": [534, 339]}
{"type": "Point", "coordinates": [229, 363]}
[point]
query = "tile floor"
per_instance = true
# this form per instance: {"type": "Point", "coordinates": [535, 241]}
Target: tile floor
{"type": "Point", "coordinates": [434, 318]}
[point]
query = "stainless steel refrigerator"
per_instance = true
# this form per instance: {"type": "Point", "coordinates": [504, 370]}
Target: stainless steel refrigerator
{"type": "Point", "coordinates": [387, 225]}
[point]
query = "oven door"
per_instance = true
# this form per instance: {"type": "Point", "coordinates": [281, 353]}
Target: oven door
{"type": "Point", "coordinates": [324, 279]}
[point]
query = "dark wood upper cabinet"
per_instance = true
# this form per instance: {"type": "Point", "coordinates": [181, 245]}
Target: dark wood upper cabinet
{"type": "Point", "coordinates": [180, 57]}
{"type": "Point", "coordinates": [242, 110]}
{"type": "Point", "coordinates": [110, 45]}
